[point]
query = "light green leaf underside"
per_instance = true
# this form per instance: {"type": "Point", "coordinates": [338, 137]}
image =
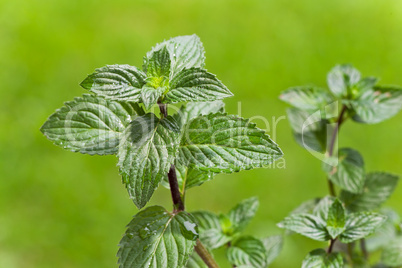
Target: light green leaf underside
{"type": "Point", "coordinates": [349, 174]}
{"type": "Point", "coordinates": [195, 261]}
{"type": "Point", "coordinates": [392, 253]}
{"type": "Point", "coordinates": [318, 258]}
{"type": "Point", "coordinates": [242, 213]}
{"type": "Point", "coordinates": [211, 233]}
{"type": "Point", "coordinates": [273, 246]}
{"type": "Point", "coordinates": [307, 225]}
{"type": "Point", "coordinates": [378, 187]}
{"type": "Point", "coordinates": [196, 84]}
{"type": "Point", "coordinates": [341, 78]}
{"type": "Point", "coordinates": [90, 124]}
{"type": "Point", "coordinates": [156, 238]}
{"type": "Point", "coordinates": [309, 130]}
{"type": "Point", "coordinates": [361, 224]}
{"type": "Point", "coordinates": [185, 52]}
{"type": "Point", "coordinates": [226, 143]}
{"type": "Point", "coordinates": [307, 98]}
{"type": "Point", "coordinates": [378, 104]}
{"type": "Point", "coordinates": [145, 155]}
{"type": "Point", "coordinates": [116, 82]}
{"type": "Point", "coordinates": [247, 252]}
{"type": "Point", "coordinates": [191, 110]}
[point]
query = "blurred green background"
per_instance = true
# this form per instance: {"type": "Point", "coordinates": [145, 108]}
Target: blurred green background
{"type": "Point", "coordinates": [63, 209]}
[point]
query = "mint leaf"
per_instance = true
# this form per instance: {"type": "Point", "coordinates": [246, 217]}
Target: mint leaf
{"type": "Point", "coordinates": [241, 215]}
{"type": "Point", "coordinates": [336, 219]}
{"type": "Point", "coordinates": [361, 224]}
{"type": "Point", "coordinates": [306, 206]}
{"type": "Point", "coordinates": [307, 225]}
{"type": "Point", "coordinates": [116, 82]}
{"type": "Point", "coordinates": [191, 110]}
{"type": "Point", "coordinates": [377, 104]}
{"type": "Point", "coordinates": [195, 261]}
{"type": "Point", "coordinates": [225, 143]}
{"type": "Point", "coordinates": [273, 246]}
{"type": "Point", "coordinates": [318, 258]}
{"type": "Point", "coordinates": [378, 187]}
{"type": "Point", "coordinates": [90, 125]}
{"type": "Point", "coordinates": [309, 131]}
{"type": "Point", "coordinates": [307, 98]}
{"type": "Point", "coordinates": [211, 233]}
{"type": "Point", "coordinates": [185, 52]}
{"type": "Point", "coordinates": [349, 174]}
{"type": "Point", "coordinates": [247, 251]}
{"type": "Point", "coordinates": [321, 210]}
{"type": "Point", "coordinates": [146, 153]}
{"type": "Point", "coordinates": [342, 78]}
{"type": "Point", "coordinates": [386, 232]}
{"type": "Point", "coordinates": [196, 84]}
{"type": "Point", "coordinates": [157, 238]}
{"type": "Point", "coordinates": [392, 253]}
{"type": "Point", "coordinates": [158, 67]}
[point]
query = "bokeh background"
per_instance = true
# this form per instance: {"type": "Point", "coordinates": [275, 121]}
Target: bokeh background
{"type": "Point", "coordinates": [63, 209]}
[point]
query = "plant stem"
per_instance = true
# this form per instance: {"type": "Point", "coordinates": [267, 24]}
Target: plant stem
{"type": "Point", "coordinates": [205, 256]}
{"type": "Point", "coordinates": [178, 203]}
{"type": "Point", "coordinates": [174, 190]}
{"type": "Point", "coordinates": [363, 248]}
{"type": "Point", "coordinates": [331, 245]}
{"type": "Point", "coordinates": [335, 133]}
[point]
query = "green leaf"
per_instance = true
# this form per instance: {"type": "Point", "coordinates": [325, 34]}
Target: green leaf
{"type": "Point", "coordinates": [158, 65]}
{"type": "Point", "coordinates": [273, 246]}
{"type": "Point", "coordinates": [195, 261]}
{"type": "Point", "coordinates": [349, 174]}
{"type": "Point", "coordinates": [185, 52]}
{"type": "Point", "coordinates": [90, 125]}
{"type": "Point", "coordinates": [191, 110]}
{"type": "Point", "coordinates": [247, 252]}
{"type": "Point", "coordinates": [150, 95]}
{"type": "Point", "coordinates": [116, 82]}
{"type": "Point", "coordinates": [146, 153]}
{"type": "Point", "coordinates": [157, 238]}
{"type": "Point", "coordinates": [196, 84]}
{"type": "Point", "coordinates": [386, 232]}
{"type": "Point", "coordinates": [226, 143]}
{"type": "Point", "coordinates": [307, 225]}
{"type": "Point", "coordinates": [377, 104]}
{"type": "Point", "coordinates": [211, 233]}
{"type": "Point", "coordinates": [321, 210]}
{"type": "Point", "coordinates": [189, 177]}
{"type": "Point", "coordinates": [392, 253]}
{"type": "Point", "coordinates": [318, 258]}
{"type": "Point", "coordinates": [241, 215]}
{"type": "Point", "coordinates": [361, 224]}
{"type": "Point", "coordinates": [378, 187]}
{"type": "Point", "coordinates": [342, 78]}
{"type": "Point", "coordinates": [336, 219]}
{"type": "Point", "coordinates": [307, 98]}
{"type": "Point", "coordinates": [309, 130]}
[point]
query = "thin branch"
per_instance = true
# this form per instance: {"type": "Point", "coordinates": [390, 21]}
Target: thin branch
{"type": "Point", "coordinates": [205, 256]}
{"type": "Point", "coordinates": [335, 133]}
{"type": "Point", "coordinates": [331, 246]}
{"type": "Point", "coordinates": [178, 203]}
{"type": "Point", "coordinates": [363, 248]}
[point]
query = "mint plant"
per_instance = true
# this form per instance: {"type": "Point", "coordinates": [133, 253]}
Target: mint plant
{"type": "Point", "coordinates": [179, 150]}
{"type": "Point", "coordinates": [349, 218]}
